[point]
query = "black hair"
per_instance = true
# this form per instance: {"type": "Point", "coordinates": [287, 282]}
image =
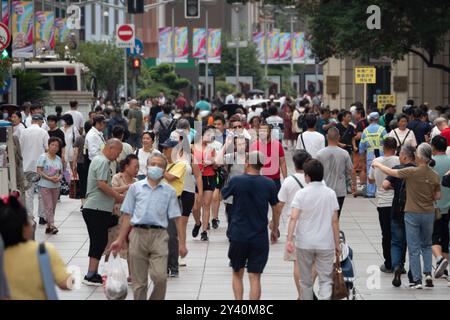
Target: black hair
{"type": "Point", "coordinates": [417, 113]}
{"type": "Point", "coordinates": [91, 112]}
{"type": "Point", "coordinates": [58, 109]}
{"type": "Point", "coordinates": [273, 111]}
{"type": "Point", "coordinates": [410, 102]}
{"type": "Point", "coordinates": [125, 162]}
{"type": "Point", "coordinates": [13, 217]}
{"type": "Point", "coordinates": [118, 132]}
{"type": "Point", "coordinates": [87, 127]}
{"type": "Point", "coordinates": [324, 110]}
{"type": "Point", "coordinates": [98, 109]}
{"type": "Point", "coordinates": [98, 118]}
{"type": "Point", "coordinates": [67, 119]}
{"type": "Point", "coordinates": [34, 107]}
{"type": "Point", "coordinates": [310, 120]}
{"type": "Point", "coordinates": [205, 129]}
{"type": "Point", "coordinates": [390, 144]}
{"type": "Point", "coordinates": [314, 170]}
{"type": "Point", "coordinates": [402, 116]}
{"type": "Point", "coordinates": [118, 111]}
{"type": "Point", "coordinates": [125, 112]}
{"type": "Point", "coordinates": [52, 117]}
{"type": "Point", "coordinates": [55, 139]}
{"type": "Point", "coordinates": [19, 114]}
{"type": "Point", "coordinates": [73, 104]}
{"type": "Point", "coordinates": [361, 111]}
{"type": "Point", "coordinates": [439, 143]}
{"type": "Point", "coordinates": [219, 116]}
{"type": "Point", "coordinates": [299, 158]}
{"type": "Point", "coordinates": [342, 115]}
{"type": "Point", "coordinates": [151, 134]}
{"type": "Point", "coordinates": [167, 109]}
{"type": "Point", "coordinates": [187, 109]}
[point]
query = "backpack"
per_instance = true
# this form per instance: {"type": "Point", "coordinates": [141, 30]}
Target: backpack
{"type": "Point", "coordinates": [164, 132]}
{"type": "Point", "coordinates": [301, 124]}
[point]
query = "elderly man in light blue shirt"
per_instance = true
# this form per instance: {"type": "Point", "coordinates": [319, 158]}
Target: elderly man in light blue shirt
{"type": "Point", "coordinates": [148, 206]}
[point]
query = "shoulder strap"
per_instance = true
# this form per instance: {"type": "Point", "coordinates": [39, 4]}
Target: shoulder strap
{"type": "Point", "coordinates": [46, 272]}
{"type": "Point", "coordinates": [395, 132]}
{"type": "Point", "coordinates": [171, 167]}
{"type": "Point", "coordinates": [137, 152]}
{"type": "Point", "coordinates": [298, 181]}
{"type": "Point", "coordinates": [407, 134]}
{"type": "Point", "coordinates": [162, 124]}
{"type": "Point", "coordinates": [303, 142]}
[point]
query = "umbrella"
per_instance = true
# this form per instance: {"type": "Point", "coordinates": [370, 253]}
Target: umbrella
{"type": "Point", "coordinates": [230, 108]}
{"type": "Point", "coordinates": [256, 91]}
{"type": "Point", "coordinates": [254, 102]}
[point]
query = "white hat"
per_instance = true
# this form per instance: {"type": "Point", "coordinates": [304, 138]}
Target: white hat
{"type": "Point", "coordinates": [204, 113]}
{"type": "Point", "coordinates": [353, 109]}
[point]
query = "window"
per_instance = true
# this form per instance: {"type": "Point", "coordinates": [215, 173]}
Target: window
{"type": "Point", "coordinates": [93, 12]}
{"type": "Point", "coordinates": [65, 83]}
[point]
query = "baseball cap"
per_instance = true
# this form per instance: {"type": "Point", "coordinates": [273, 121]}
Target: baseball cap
{"type": "Point", "coordinates": [37, 117]}
{"type": "Point", "coordinates": [169, 143]}
{"type": "Point", "coordinates": [374, 116]}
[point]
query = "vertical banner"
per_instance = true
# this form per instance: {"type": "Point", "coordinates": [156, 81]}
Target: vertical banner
{"type": "Point", "coordinates": [181, 45]}
{"type": "Point", "coordinates": [22, 29]}
{"type": "Point", "coordinates": [60, 30]}
{"type": "Point", "coordinates": [165, 44]}
{"type": "Point", "coordinates": [298, 47]}
{"type": "Point", "coordinates": [214, 45]}
{"type": "Point", "coordinates": [45, 30]}
{"type": "Point", "coordinates": [5, 12]}
{"type": "Point", "coordinates": [258, 40]}
{"type": "Point", "coordinates": [285, 48]}
{"type": "Point", "coordinates": [273, 45]}
{"type": "Point", "coordinates": [199, 43]}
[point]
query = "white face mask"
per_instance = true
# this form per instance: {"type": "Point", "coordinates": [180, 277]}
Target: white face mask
{"type": "Point", "coordinates": [63, 123]}
{"type": "Point", "coordinates": [5, 115]}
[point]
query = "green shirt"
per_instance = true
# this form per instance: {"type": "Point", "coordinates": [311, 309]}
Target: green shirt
{"type": "Point", "coordinates": [203, 105]}
{"type": "Point", "coordinates": [441, 167]}
{"type": "Point", "coordinates": [96, 199]}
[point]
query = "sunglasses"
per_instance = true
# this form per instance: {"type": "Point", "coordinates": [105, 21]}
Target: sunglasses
{"type": "Point", "coordinates": [237, 127]}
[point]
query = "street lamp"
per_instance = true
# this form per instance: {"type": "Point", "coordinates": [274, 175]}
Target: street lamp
{"type": "Point", "coordinates": [237, 6]}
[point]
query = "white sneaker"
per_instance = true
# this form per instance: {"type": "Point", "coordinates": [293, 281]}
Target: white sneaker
{"type": "Point", "coordinates": [182, 262]}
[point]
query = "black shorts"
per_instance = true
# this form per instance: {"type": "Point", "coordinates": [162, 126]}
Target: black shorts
{"type": "Point", "coordinates": [209, 183]}
{"type": "Point", "coordinates": [254, 255]}
{"type": "Point", "coordinates": [98, 222]}
{"type": "Point", "coordinates": [441, 233]}
{"type": "Point", "coordinates": [187, 203]}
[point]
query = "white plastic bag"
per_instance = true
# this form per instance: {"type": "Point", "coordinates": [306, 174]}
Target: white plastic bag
{"type": "Point", "coordinates": [116, 286]}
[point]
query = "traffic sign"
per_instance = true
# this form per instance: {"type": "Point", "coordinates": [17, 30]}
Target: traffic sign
{"type": "Point", "coordinates": [125, 36]}
{"type": "Point", "coordinates": [384, 99]}
{"type": "Point", "coordinates": [235, 44]}
{"type": "Point", "coordinates": [138, 49]}
{"type": "Point", "coordinates": [5, 36]}
{"type": "Point", "coordinates": [365, 75]}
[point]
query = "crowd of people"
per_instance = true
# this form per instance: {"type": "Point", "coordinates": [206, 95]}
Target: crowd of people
{"type": "Point", "coordinates": [141, 173]}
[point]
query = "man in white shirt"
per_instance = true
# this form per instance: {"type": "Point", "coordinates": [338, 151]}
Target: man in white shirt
{"type": "Point", "coordinates": [229, 99]}
{"type": "Point", "coordinates": [33, 143]}
{"type": "Point", "coordinates": [315, 222]}
{"type": "Point", "coordinates": [384, 198]}
{"type": "Point", "coordinates": [35, 110]}
{"type": "Point", "coordinates": [276, 122]}
{"type": "Point", "coordinates": [311, 140]}
{"type": "Point", "coordinates": [161, 99]}
{"type": "Point", "coordinates": [78, 119]}
{"type": "Point", "coordinates": [291, 185]}
{"type": "Point", "coordinates": [94, 139]}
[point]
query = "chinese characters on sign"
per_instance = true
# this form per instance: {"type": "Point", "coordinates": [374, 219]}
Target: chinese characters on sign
{"type": "Point", "coordinates": [365, 75]}
{"type": "Point", "coordinates": [384, 99]}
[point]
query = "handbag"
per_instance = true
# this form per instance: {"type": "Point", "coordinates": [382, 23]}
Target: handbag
{"type": "Point", "coordinates": [75, 189]}
{"type": "Point", "coordinates": [340, 290]}
{"type": "Point", "coordinates": [46, 273]}
{"type": "Point", "coordinates": [64, 190]}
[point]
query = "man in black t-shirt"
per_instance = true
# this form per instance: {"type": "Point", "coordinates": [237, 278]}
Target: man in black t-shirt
{"type": "Point", "coordinates": [249, 241]}
{"type": "Point", "coordinates": [54, 131]}
{"type": "Point", "coordinates": [347, 132]}
{"type": "Point", "coordinates": [398, 234]}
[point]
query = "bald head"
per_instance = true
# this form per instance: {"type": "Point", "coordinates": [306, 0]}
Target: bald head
{"type": "Point", "coordinates": [113, 148]}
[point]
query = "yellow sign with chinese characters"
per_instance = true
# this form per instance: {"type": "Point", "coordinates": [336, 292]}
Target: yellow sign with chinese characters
{"type": "Point", "coordinates": [384, 99]}
{"type": "Point", "coordinates": [365, 75]}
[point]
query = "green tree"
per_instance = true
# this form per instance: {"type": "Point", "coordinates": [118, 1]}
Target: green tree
{"type": "Point", "coordinates": [160, 78]}
{"type": "Point", "coordinates": [105, 63]}
{"type": "Point", "coordinates": [31, 87]}
{"type": "Point", "coordinates": [339, 28]}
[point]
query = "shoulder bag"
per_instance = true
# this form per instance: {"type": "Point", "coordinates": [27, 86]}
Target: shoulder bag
{"type": "Point", "coordinates": [46, 272]}
{"type": "Point", "coordinates": [339, 290]}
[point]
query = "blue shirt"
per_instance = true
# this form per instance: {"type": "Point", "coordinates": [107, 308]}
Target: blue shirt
{"type": "Point", "coordinates": [248, 215]}
{"type": "Point", "coordinates": [151, 206]}
{"type": "Point", "coordinates": [441, 167]}
{"type": "Point", "coordinates": [51, 168]}
{"type": "Point", "coordinates": [159, 115]}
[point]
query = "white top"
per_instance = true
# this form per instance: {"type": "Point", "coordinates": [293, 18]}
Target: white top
{"type": "Point", "coordinates": [384, 197]}
{"type": "Point", "coordinates": [189, 180]}
{"type": "Point", "coordinates": [33, 142]}
{"type": "Point", "coordinates": [94, 142]}
{"type": "Point", "coordinates": [143, 158]}
{"type": "Point", "coordinates": [78, 119]}
{"type": "Point", "coordinates": [229, 99]}
{"type": "Point", "coordinates": [288, 191]}
{"type": "Point", "coordinates": [70, 135]}
{"type": "Point", "coordinates": [435, 132]}
{"type": "Point", "coordinates": [314, 142]}
{"type": "Point", "coordinates": [17, 130]}
{"type": "Point", "coordinates": [317, 204]}
{"type": "Point", "coordinates": [28, 123]}
{"type": "Point", "coordinates": [401, 135]}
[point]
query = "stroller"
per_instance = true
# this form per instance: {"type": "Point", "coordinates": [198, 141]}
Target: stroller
{"type": "Point", "coordinates": [347, 266]}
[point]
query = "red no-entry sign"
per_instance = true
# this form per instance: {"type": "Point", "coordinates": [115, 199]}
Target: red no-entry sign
{"type": "Point", "coordinates": [5, 36]}
{"type": "Point", "coordinates": [125, 36]}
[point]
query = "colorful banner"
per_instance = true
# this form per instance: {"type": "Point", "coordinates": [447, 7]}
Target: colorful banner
{"type": "Point", "coordinates": [165, 44]}
{"type": "Point", "coordinates": [298, 47]}
{"type": "Point", "coordinates": [61, 30]}
{"type": "Point", "coordinates": [273, 47]}
{"type": "Point", "coordinates": [199, 43]}
{"type": "Point", "coordinates": [22, 29]}
{"type": "Point", "coordinates": [214, 45]}
{"type": "Point", "coordinates": [5, 12]}
{"type": "Point", "coordinates": [181, 45]}
{"type": "Point", "coordinates": [285, 48]}
{"type": "Point", "coordinates": [258, 40]}
{"type": "Point", "coordinates": [45, 30]}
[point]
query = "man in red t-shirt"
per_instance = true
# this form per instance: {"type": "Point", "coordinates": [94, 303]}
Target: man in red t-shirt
{"type": "Point", "coordinates": [274, 153]}
{"type": "Point", "coordinates": [180, 102]}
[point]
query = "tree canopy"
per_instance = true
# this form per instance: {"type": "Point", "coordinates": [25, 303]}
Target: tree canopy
{"type": "Point", "coordinates": [338, 28]}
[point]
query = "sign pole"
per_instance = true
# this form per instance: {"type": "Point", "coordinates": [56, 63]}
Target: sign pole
{"type": "Point", "coordinates": [206, 56]}
{"type": "Point", "coordinates": [365, 97]}
{"type": "Point", "coordinates": [125, 74]}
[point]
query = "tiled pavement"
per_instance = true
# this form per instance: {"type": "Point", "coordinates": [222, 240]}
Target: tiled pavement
{"type": "Point", "coordinates": [208, 276]}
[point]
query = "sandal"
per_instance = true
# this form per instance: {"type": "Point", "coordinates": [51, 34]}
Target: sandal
{"type": "Point", "coordinates": [54, 230]}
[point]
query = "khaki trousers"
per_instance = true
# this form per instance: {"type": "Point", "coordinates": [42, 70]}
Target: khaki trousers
{"type": "Point", "coordinates": [148, 256]}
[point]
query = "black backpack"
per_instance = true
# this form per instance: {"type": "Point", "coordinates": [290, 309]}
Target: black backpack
{"type": "Point", "coordinates": [164, 132]}
{"type": "Point", "coordinates": [301, 124]}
